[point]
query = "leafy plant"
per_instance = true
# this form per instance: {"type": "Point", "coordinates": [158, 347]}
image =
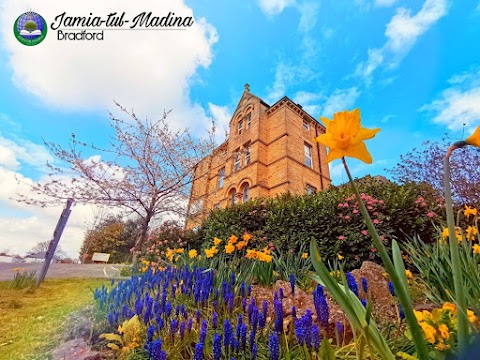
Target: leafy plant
{"type": "Point", "coordinates": [23, 279]}
{"type": "Point", "coordinates": [131, 336]}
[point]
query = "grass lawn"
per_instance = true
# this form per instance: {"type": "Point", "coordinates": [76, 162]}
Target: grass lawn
{"type": "Point", "coordinates": [32, 321]}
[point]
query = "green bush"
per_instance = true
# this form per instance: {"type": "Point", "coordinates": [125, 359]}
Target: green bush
{"type": "Point", "coordinates": [290, 221]}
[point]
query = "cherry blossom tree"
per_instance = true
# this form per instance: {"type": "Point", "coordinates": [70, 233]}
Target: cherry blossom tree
{"type": "Point", "coordinates": [146, 170]}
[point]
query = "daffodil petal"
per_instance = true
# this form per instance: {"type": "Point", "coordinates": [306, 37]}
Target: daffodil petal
{"type": "Point", "coordinates": [366, 134]}
{"type": "Point", "coordinates": [359, 151]}
{"type": "Point", "coordinates": [327, 140]}
{"type": "Point", "coordinates": [474, 139]}
{"type": "Point", "coordinates": [326, 121]}
{"type": "Point", "coordinates": [335, 154]}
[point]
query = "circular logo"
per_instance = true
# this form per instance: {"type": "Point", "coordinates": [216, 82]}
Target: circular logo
{"type": "Point", "coordinates": [30, 28]}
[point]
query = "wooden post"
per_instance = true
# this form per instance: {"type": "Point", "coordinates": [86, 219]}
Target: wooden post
{"type": "Point", "coordinates": [62, 222]}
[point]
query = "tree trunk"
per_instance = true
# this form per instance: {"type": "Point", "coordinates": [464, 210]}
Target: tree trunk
{"type": "Point", "coordinates": [142, 237]}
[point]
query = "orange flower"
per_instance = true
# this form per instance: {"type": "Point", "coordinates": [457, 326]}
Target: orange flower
{"type": "Point", "coordinates": [216, 241]}
{"type": "Point", "coordinates": [246, 237]}
{"type": "Point", "coordinates": [241, 245]}
{"type": "Point", "coordinates": [232, 239]}
{"type": "Point", "coordinates": [229, 248]}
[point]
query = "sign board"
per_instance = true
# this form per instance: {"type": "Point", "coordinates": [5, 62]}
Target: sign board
{"type": "Point", "coordinates": [102, 257]}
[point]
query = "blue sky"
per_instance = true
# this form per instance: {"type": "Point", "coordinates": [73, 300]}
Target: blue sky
{"type": "Point", "coordinates": [412, 67]}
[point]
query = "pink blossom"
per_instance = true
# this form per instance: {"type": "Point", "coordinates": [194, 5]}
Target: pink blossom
{"type": "Point", "coordinates": [340, 205]}
{"type": "Point", "coordinates": [374, 250]}
{"type": "Point", "coordinates": [423, 204]}
{"type": "Point", "coordinates": [420, 199]}
{"type": "Point", "coordinates": [355, 211]}
{"type": "Point", "coordinates": [340, 216]}
{"type": "Point", "coordinates": [369, 203]}
{"type": "Point", "coordinates": [369, 207]}
{"type": "Point", "coordinates": [291, 251]}
{"type": "Point", "coordinates": [375, 213]}
{"type": "Point", "coordinates": [348, 199]}
{"type": "Point", "coordinates": [382, 237]}
{"type": "Point", "coordinates": [380, 201]}
{"type": "Point", "coordinates": [345, 205]}
{"type": "Point", "coordinates": [376, 221]}
{"type": "Point", "coordinates": [431, 214]}
{"type": "Point", "coordinates": [341, 237]}
{"type": "Point", "coordinates": [347, 217]}
{"type": "Point", "coordinates": [270, 244]}
{"type": "Point", "coordinates": [364, 232]}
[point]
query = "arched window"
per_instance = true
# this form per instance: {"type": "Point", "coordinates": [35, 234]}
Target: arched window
{"type": "Point", "coordinates": [232, 196]}
{"type": "Point", "coordinates": [245, 192]}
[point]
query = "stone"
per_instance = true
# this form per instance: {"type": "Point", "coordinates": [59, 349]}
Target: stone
{"type": "Point", "coordinates": [76, 349]}
{"type": "Point", "coordinates": [79, 324]}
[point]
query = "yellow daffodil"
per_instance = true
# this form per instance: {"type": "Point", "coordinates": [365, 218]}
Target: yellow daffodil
{"type": "Point", "coordinates": [470, 211]}
{"type": "Point", "coordinates": [246, 237]}
{"type": "Point", "coordinates": [429, 332]}
{"type": "Point", "coordinates": [229, 248]}
{"type": "Point", "coordinates": [169, 254]}
{"type": "Point", "coordinates": [340, 257]}
{"type": "Point", "coordinates": [216, 241]}
{"type": "Point", "coordinates": [471, 316]}
{"type": "Point", "coordinates": [192, 254]}
{"type": "Point", "coordinates": [442, 346]}
{"type": "Point", "coordinates": [264, 257]}
{"type": "Point", "coordinates": [251, 254]}
{"type": "Point", "coordinates": [471, 232]}
{"type": "Point", "coordinates": [476, 249]}
{"type": "Point", "coordinates": [458, 234]}
{"type": "Point", "coordinates": [15, 270]}
{"type": "Point", "coordinates": [178, 251]}
{"type": "Point", "coordinates": [345, 136]}
{"type": "Point", "coordinates": [450, 307]}
{"type": "Point", "coordinates": [474, 139]}
{"type": "Point", "coordinates": [409, 275]}
{"type": "Point", "coordinates": [240, 245]}
{"type": "Point", "coordinates": [444, 332]}
{"type": "Point", "coordinates": [305, 256]}
{"type": "Point", "coordinates": [232, 239]}
{"type": "Point", "coordinates": [211, 252]}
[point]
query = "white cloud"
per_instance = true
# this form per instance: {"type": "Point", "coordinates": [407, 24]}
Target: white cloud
{"type": "Point", "coordinates": [402, 32]}
{"type": "Point", "coordinates": [274, 7]}
{"type": "Point", "coordinates": [308, 16]}
{"type": "Point", "coordinates": [339, 100]}
{"type": "Point", "coordinates": [222, 116]}
{"type": "Point", "coordinates": [15, 153]}
{"type": "Point", "coordinates": [459, 104]}
{"type": "Point", "coordinates": [146, 70]}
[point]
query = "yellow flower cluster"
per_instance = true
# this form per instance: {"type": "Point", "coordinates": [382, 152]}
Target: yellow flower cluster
{"type": "Point", "coordinates": [170, 253]}
{"type": "Point", "coordinates": [211, 252]}
{"type": "Point", "coordinates": [148, 264]}
{"type": "Point", "coordinates": [439, 324]}
{"type": "Point", "coordinates": [261, 255]}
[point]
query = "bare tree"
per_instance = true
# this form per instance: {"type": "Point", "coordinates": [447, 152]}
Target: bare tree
{"type": "Point", "coordinates": [43, 246]}
{"type": "Point", "coordinates": [425, 165]}
{"type": "Point", "coordinates": [146, 170]}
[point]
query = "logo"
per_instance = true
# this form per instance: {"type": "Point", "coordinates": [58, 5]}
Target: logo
{"type": "Point", "coordinates": [30, 28]}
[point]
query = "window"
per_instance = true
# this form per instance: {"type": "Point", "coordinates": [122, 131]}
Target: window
{"type": "Point", "coordinates": [306, 125]}
{"type": "Point", "coordinates": [248, 120]}
{"type": "Point", "coordinates": [310, 189]}
{"type": "Point", "coordinates": [232, 196]}
{"type": "Point", "coordinates": [240, 127]}
{"type": "Point", "coordinates": [236, 160]}
{"type": "Point", "coordinates": [247, 154]}
{"type": "Point", "coordinates": [307, 149]}
{"type": "Point", "coordinates": [245, 193]}
{"type": "Point", "coordinates": [221, 178]}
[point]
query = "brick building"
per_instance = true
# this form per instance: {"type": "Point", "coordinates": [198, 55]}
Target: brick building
{"type": "Point", "coordinates": [270, 150]}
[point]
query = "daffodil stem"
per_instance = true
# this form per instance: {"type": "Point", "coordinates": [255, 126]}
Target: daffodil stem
{"type": "Point", "coordinates": [455, 258]}
{"type": "Point", "coordinates": [402, 292]}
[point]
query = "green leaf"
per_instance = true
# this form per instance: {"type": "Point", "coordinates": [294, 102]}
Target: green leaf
{"type": "Point", "coordinates": [326, 351]}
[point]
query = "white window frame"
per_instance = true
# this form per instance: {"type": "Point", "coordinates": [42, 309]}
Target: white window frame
{"type": "Point", "coordinates": [221, 178]}
{"type": "Point", "coordinates": [307, 152]}
{"type": "Point", "coordinates": [306, 125]}
{"type": "Point", "coordinates": [310, 189]}
{"type": "Point", "coordinates": [247, 155]}
{"type": "Point", "coordinates": [245, 194]}
{"type": "Point", "coordinates": [237, 163]}
{"type": "Point", "coordinates": [240, 126]}
{"type": "Point", "coordinates": [248, 120]}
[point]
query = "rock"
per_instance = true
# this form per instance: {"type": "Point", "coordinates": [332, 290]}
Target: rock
{"type": "Point", "coordinates": [79, 324]}
{"type": "Point", "coordinates": [383, 302]}
{"type": "Point", "coordinates": [76, 349]}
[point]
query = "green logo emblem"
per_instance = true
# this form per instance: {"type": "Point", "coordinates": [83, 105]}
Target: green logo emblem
{"type": "Point", "coordinates": [30, 28]}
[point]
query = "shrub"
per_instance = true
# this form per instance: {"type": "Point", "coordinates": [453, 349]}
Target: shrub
{"type": "Point", "coordinates": [23, 279]}
{"type": "Point", "coordinates": [289, 221]}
